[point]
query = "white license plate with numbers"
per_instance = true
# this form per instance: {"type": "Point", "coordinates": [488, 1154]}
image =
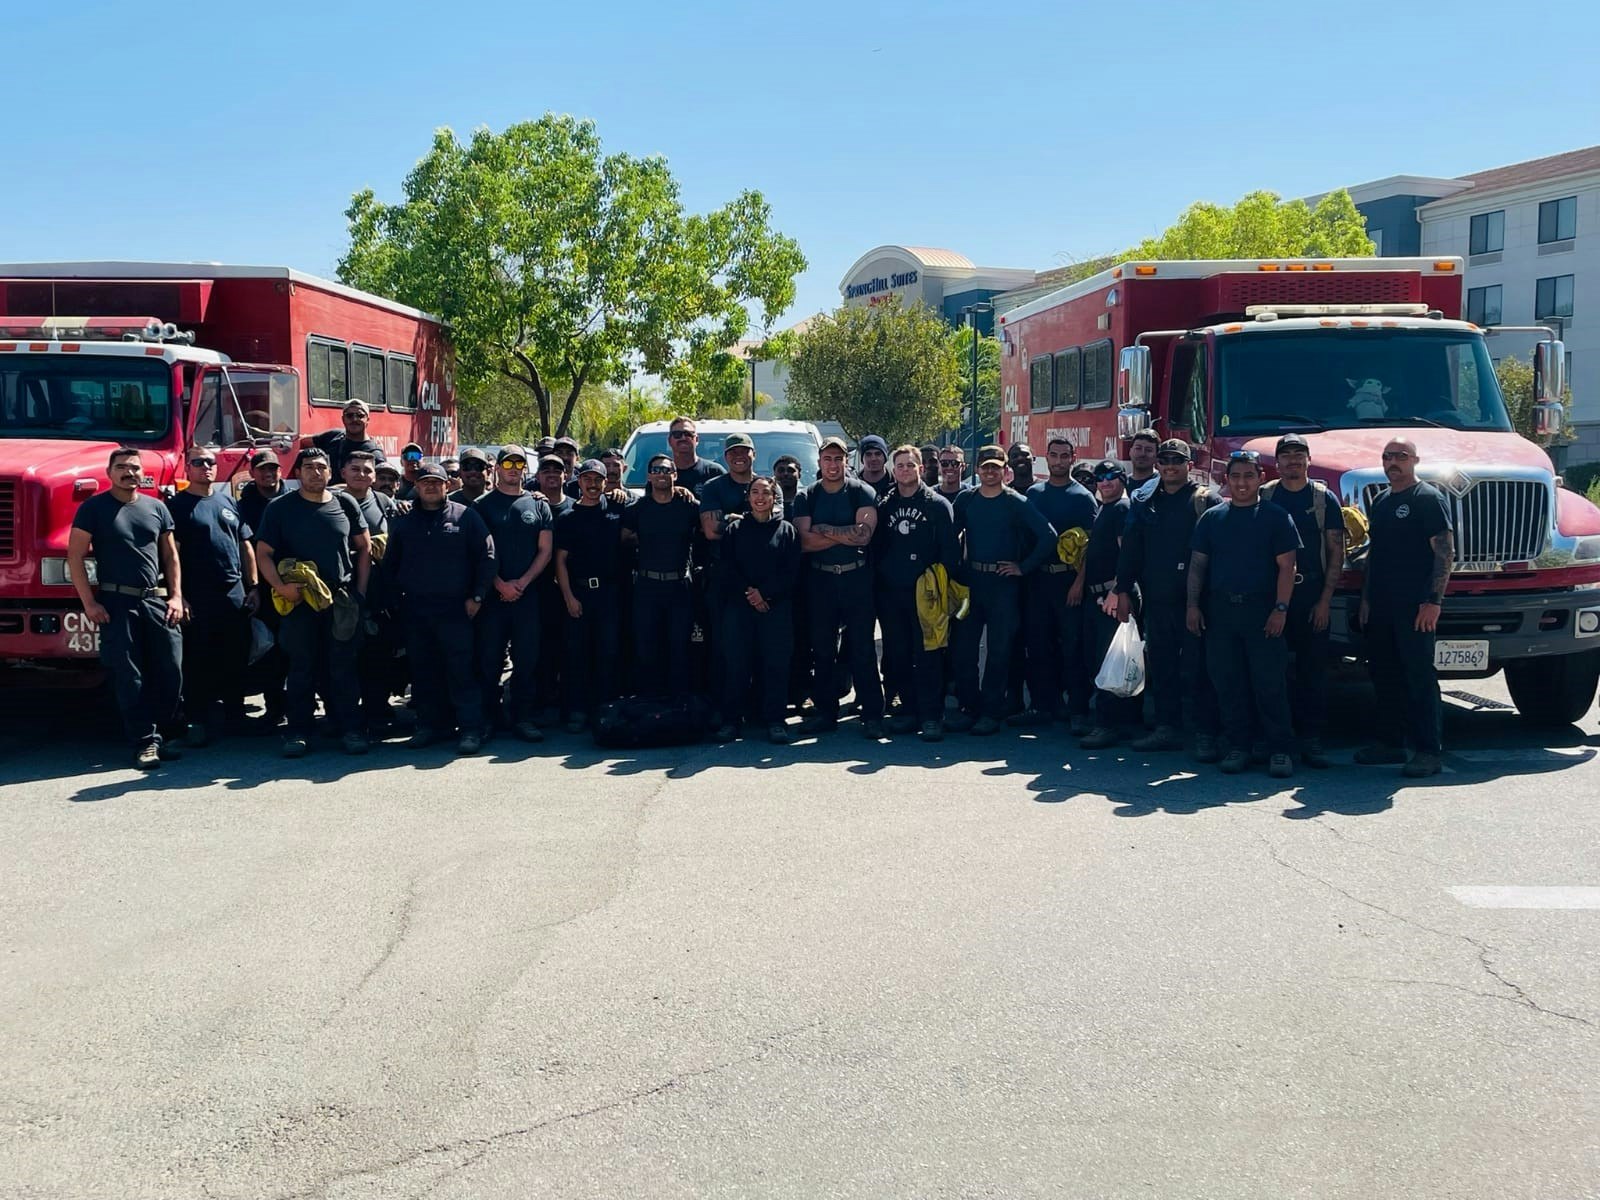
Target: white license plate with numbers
{"type": "Point", "coordinates": [1460, 656]}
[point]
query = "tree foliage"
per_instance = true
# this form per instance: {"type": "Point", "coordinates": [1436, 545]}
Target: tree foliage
{"type": "Point", "coordinates": [1261, 225]}
{"type": "Point", "coordinates": [554, 262]}
{"type": "Point", "coordinates": [1516, 388]}
{"type": "Point", "coordinates": [988, 387]}
{"type": "Point", "coordinates": [710, 383]}
{"type": "Point", "coordinates": [884, 369]}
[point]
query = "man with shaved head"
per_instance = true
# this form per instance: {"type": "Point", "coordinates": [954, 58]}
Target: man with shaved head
{"type": "Point", "coordinates": [1408, 568]}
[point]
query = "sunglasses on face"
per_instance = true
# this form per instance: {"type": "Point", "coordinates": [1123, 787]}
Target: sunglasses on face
{"type": "Point", "coordinates": [412, 456]}
{"type": "Point", "coordinates": [681, 433]}
{"type": "Point", "coordinates": [949, 462]}
{"type": "Point", "coordinates": [516, 464]}
{"type": "Point", "coordinates": [661, 469]}
{"type": "Point", "coordinates": [1395, 456]}
{"type": "Point", "coordinates": [1249, 456]}
{"type": "Point", "coordinates": [1170, 460]}
{"type": "Point", "coordinates": [202, 462]}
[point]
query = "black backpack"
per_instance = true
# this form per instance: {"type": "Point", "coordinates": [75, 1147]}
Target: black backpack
{"type": "Point", "coordinates": [640, 722]}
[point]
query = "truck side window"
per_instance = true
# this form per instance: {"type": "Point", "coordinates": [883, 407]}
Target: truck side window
{"type": "Point", "coordinates": [1194, 394]}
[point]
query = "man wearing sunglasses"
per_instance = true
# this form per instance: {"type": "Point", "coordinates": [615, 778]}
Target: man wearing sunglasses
{"type": "Point", "coordinates": [663, 522]}
{"type": "Point", "coordinates": [219, 597]}
{"type": "Point", "coordinates": [1155, 560]}
{"type": "Point", "coordinates": [475, 483]}
{"type": "Point", "coordinates": [522, 527]}
{"type": "Point", "coordinates": [1241, 579]}
{"type": "Point", "coordinates": [410, 466]}
{"type": "Point", "coordinates": [1402, 592]}
{"type": "Point", "coordinates": [353, 436]}
{"type": "Point", "coordinates": [692, 470]}
{"type": "Point", "coordinates": [952, 466]}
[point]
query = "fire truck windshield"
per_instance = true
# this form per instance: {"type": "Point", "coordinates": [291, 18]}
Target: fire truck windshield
{"type": "Point", "coordinates": [83, 397]}
{"type": "Point", "coordinates": [1267, 382]}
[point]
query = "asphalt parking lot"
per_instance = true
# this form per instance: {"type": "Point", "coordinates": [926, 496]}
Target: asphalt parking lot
{"type": "Point", "coordinates": [991, 967]}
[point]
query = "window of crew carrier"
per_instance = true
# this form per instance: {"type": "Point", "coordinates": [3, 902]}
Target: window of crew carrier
{"type": "Point", "coordinates": [327, 372]}
{"type": "Point", "coordinates": [402, 385]}
{"type": "Point", "coordinates": [1039, 383]}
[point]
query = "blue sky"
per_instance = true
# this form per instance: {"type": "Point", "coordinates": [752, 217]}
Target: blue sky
{"type": "Point", "coordinates": [1018, 134]}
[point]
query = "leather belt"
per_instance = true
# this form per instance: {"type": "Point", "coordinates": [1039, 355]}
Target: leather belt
{"type": "Point", "coordinates": [984, 568]}
{"type": "Point", "coordinates": [117, 589]}
{"type": "Point", "coordinates": [663, 576]}
{"type": "Point", "coordinates": [1056, 568]}
{"type": "Point", "coordinates": [838, 568]}
{"type": "Point", "coordinates": [1240, 597]}
{"type": "Point", "coordinates": [1100, 589]}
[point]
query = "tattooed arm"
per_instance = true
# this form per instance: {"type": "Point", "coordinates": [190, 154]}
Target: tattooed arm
{"type": "Point", "coordinates": [1443, 545]}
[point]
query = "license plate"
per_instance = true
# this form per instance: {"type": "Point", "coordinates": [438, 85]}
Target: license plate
{"type": "Point", "coordinates": [1461, 656]}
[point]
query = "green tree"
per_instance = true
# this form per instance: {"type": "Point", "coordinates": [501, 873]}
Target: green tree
{"type": "Point", "coordinates": [1516, 387]}
{"type": "Point", "coordinates": [1261, 225]}
{"type": "Point", "coordinates": [710, 383]}
{"type": "Point", "coordinates": [882, 369]}
{"type": "Point", "coordinates": [554, 262]}
{"type": "Point", "coordinates": [988, 386]}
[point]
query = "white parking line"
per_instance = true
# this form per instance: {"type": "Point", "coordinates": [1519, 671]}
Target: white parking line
{"type": "Point", "coordinates": [1527, 897]}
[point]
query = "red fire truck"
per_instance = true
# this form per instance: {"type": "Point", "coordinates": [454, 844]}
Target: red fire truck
{"type": "Point", "coordinates": [162, 356]}
{"type": "Point", "coordinates": [1350, 352]}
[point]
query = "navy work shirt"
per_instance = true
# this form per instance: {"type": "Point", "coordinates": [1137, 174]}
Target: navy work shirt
{"type": "Point", "coordinates": [212, 541]}
{"type": "Point", "coordinates": [438, 559]}
{"type": "Point", "coordinates": [1400, 558]}
{"type": "Point", "coordinates": [515, 523]}
{"type": "Point", "coordinates": [666, 532]}
{"type": "Point", "coordinates": [124, 538]}
{"type": "Point", "coordinates": [591, 534]}
{"type": "Point", "coordinates": [320, 532]}
{"type": "Point", "coordinates": [1302, 507]}
{"type": "Point", "coordinates": [838, 509]}
{"type": "Point", "coordinates": [913, 533]}
{"type": "Point", "coordinates": [1242, 545]}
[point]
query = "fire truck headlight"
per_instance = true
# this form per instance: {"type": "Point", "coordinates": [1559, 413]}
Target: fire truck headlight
{"type": "Point", "coordinates": [53, 572]}
{"type": "Point", "coordinates": [1587, 549]}
{"type": "Point", "coordinates": [1588, 623]}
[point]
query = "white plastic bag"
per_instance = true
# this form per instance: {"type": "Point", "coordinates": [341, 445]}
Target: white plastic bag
{"type": "Point", "coordinates": [1122, 673]}
{"type": "Point", "coordinates": [261, 639]}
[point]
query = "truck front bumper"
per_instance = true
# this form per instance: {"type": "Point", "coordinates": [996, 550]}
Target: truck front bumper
{"type": "Point", "coordinates": [1517, 625]}
{"type": "Point", "coordinates": [40, 636]}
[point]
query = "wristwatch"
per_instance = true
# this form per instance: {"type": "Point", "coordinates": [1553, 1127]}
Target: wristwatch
{"type": "Point", "coordinates": [477, 599]}
{"type": "Point", "coordinates": [1280, 606]}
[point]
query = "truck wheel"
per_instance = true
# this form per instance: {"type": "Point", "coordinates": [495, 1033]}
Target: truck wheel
{"type": "Point", "coordinates": [1551, 692]}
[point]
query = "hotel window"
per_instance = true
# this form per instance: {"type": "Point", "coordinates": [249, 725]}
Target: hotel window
{"type": "Point", "coordinates": [1552, 297]}
{"type": "Point", "coordinates": [1488, 232]}
{"type": "Point", "coordinates": [1483, 305]}
{"type": "Point", "coordinates": [1558, 220]}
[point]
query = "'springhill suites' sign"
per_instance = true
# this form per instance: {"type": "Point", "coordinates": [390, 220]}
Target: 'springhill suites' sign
{"type": "Point", "coordinates": [871, 287]}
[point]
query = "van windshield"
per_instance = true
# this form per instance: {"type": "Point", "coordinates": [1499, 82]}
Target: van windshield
{"type": "Point", "coordinates": [81, 397]}
{"type": "Point", "coordinates": [770, 447]}
{"type": "Point", "coordinates": [1351, 378]}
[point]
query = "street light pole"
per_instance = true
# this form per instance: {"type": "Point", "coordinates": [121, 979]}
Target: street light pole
{"type": "Point", "coordinates": [971, 311]}
{"type": "Point", "coordinates": [752, 383]}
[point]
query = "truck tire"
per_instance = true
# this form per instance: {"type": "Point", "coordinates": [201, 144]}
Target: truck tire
{"type": "Point", "coordinates": [1551, 692]}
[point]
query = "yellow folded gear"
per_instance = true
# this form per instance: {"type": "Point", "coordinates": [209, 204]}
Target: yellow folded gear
{"type": "Point", "coordinates": [938, 598]}
{"type": "Point", "coordinates": [312, 590]}
{"type": "Point", "coordinates": [379, 543]}
{"type": "Point", "coordinates": [1071, 546]}
{"type": "Point", "coordinates": [1356, 532]}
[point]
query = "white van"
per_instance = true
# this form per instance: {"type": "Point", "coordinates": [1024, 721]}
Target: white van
{"type": "Point", "coordinates": [773, 439]}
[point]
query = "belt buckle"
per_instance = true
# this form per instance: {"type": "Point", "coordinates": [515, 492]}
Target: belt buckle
{"type": "Point", "coordinates": [592, 583]}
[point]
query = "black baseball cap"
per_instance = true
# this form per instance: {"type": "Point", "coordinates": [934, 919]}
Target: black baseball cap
{"type": "Point", "coordinates": [511, 450]}
{"type": "Point", "coordinates": [1293, 441]}
{"type": "Point", "coordinates": [432, 469]}
{"type": "Point", "coordinates": [262, 457]}
{"type": "Point", "coordinates": [473, 454]}
{"type": "Point", "coordinates": [562, 442]}
{"type": "Point", "coordinates": [1176, 446]}
{"type": "Point", "coordinates": [1109, 468]}
{"type": "Point", "coordinates": [552, 462]}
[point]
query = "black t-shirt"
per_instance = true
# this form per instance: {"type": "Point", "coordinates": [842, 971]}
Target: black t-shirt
{"type": "Point", "coordinates": [726, 495]}
{"type": "Point", "coordinates": [1242, 547]}
{"type": "Point", "coordinates": [1302, 507]}
{"type": "Point", "coordinates": [665, 531]}
{"type": "Point", "coordinates": [1399, 559]}
{"type": "Point", "coordinates": [124, 537]}
{"type": "Point", "coordinates": [591, 534]}
{"type": "Point", "coordinates": [515, 523]}
{"type": "Point", "coordinates": [696, 477]}
{"type": "Point", "coordinates": [321, 533]}
{"type": "Point", "coordinates": [881, 486]}
{"type": "Point", "coordinates": [376, 510]}
{"type": "Point", "coordinates": [339, 447]}
{"type": "Point", "coordinates": [252, 504]}
{"type": "Point", "coordinates": [211, 541]}
{"type": "Point", "coordinates": [836, 508]}
{"type": "Point", "coordinates": [1100, 558]}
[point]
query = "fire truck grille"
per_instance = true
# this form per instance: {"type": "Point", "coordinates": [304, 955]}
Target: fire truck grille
{"type": "Point", "coordinates": [1239, 292]}
{"type": "Point", "coordinates": [1496, 521]}
{"type": "Point", "coordinates": [8, 520]}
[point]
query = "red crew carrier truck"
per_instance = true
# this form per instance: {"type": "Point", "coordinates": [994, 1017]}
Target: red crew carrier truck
{"type": "Point", "coordinates": [161, 357]}
{"type": "Point", "coordinates": [1350, 352]}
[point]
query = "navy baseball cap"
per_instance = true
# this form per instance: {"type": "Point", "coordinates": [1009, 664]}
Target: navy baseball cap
{"type": "Point", "coordinates": [1293, 441]}
{"type": "Point", "coordinates": [1109, 468]}
{"type": "Point", "coordinates": [432, 468]}
{"type": "Point", "coordinates": [592, 466]}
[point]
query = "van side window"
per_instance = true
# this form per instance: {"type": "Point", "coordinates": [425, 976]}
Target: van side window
{"type": "Point", "coordinates": [1069, 382]}
{"type": "Point", "coordinates": [402, 383]}
{"type": "Point", "coordinates": [1039, 383]}
{"type": "Point", "coordinates": [1098, 378]}
{"type": "Point", "coordinates": [327, 372]}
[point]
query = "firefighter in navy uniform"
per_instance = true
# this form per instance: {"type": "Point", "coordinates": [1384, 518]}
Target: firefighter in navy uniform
{"type": "Point", "coordinates": [522, 527]}
{"type": "Point", "coordinates": [130, 537]}
{"type": "Point", "coordinates": [1241, 578]}
{"type": "Point", "coordinates": [664, 522]}
{"type": "Point", "coordinates": [219, 575]}
{"type": "Point", "coordinates": [588, 542]}
{"type": "Point", "coordinates": [1411, 555]}
{"type": "Point", "coordinates": [341, 443]}
{"type": "Point", "coordinates": [1052, 628]}
{"type": "Point", "coordinates": [439, 568]}
{"type": "Point", "coordinates": [548, 481]}
{"type": "Point", "coordinates": [1320, 520]}
{"type": "Point", "coordinates": [916, 530]}
{"type": "Point", "coordinates": [270, 673]}
{"type": "Point", "coordinates": [1095, 590]}
{"type": "Point", "coordinates": [1156, 545]}
{"type": "Point", "coordinates": [379, 663]}
{"type": "Point", "coordinates": [759, 570]}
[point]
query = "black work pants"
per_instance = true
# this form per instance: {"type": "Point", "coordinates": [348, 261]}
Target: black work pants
{"type": "Point", "coordinates": [1110, 712]}
{"type": "Point", "coordinates": [589, 648]}
{"type": "Point", "coordinates": [548, 690]}
{"type": "Point", "coordinates": [843, 602]}
{"type": "Point", "coordinates": [1401, 662]}
{"type": "Point", "coordinates": [216, 651]}
{"type": "Point", "coordinates": [1176, 677]}
{"type": "Point", "coordinates": [1308, 697]}
{"type": "Point", "coordinates": [144, 657]}
{"type": "Point", "coordinates": [756, 647]}
{"type": "Point", "coordinates": [1248, 666]}
{"type": "Point", "coordinates": [380, 667]}
{"type": "Point", "coordinates": [270, 672]}
{"type": "Point", "coordinates": [995, 608]}
{"type": "Point", "coordinates": [514, 625]}
{"type": "Point", "coordinates": [663, 623]}
{"type": "Point", "coordinates": [1054, 635]}
{"type": "Point", "coordinates": [910, 672]}
{"type": "Point", "coordinates": [319, 662]}
{"type": "Point", "coordinates": [444, 670]}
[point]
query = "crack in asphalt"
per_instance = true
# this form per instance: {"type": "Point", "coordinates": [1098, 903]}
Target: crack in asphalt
{"type": "Point", "coordinates": [482, 1145]}
{"type": "Point", "coordinates": [1519, 994]}
{"type": "Point", "coordinates": [1321, 823]}
{"type": "Point", "coordinates": [402, 929]}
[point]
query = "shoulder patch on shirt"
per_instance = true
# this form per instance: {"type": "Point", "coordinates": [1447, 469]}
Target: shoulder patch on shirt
{"type": "Point", "coordinates": [529, 516]}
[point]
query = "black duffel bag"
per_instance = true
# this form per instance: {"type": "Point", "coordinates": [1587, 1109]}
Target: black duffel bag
{"type": "Point", "coordinates": [640, 722]}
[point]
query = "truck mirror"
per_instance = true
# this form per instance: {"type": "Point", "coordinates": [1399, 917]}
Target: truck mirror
{"type": "Point", "coordinates": [1549, 369]}
{"type": "Point", "coordinates": [1546, 419]}
{"type": "Point", "coordinates": [1133, 378]}
{"type": "Point", "coordinates": [1131, 421]}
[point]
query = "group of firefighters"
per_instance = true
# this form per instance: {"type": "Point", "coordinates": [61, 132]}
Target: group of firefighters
{"type": "Point", "coordinates": [532, 590]}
